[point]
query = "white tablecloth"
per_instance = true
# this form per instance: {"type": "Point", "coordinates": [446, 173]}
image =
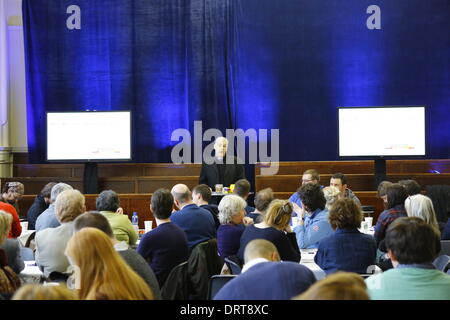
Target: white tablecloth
{"type": "Point", "coordinates": [308, 261]}
{"type": "Point", "coordinates": [31, 273]}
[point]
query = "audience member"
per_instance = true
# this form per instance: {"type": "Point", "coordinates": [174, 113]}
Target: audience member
{"type": "Point", "coordinates": [12, 192]}
{"type": "Point", "coordinates": [313, 223]}
{"type": "Point", "coordinates": [264, 277]}
{"type": "Point", "coordinates": [10, 246]}
{"type": "Point", "coordinates": [262, 201]}
{"type": "Point", "coordinates": [100, 272]}
{"type": "Point", "coordinates": [275, 228]}
{"type": "Point", "coordinates": [51, 242]}
{"type": "Point", "coordinates": [108, 204]}
{"type": "Point", "coordinates": [338, 286]}
{"type": "Point", "coordinates": [309, 176]}
{"type": "Point", "coordinates": [94, 219]}
{"type": "Point", "coordinates": [382, 191]}
{"type": "Point", "coordinates": [421, 206]}
{"type": "Point", "coordinates": [346, 249]}
{"type": "Point", "coordinates": [412, 246]}
{"type": "Point", "coordinates": [201, 195]}
{"type": "Point", "coordinates": [331, 194]}
{"type": "Point", "coordinates": [40, 204]}
{"type": "Point", "coordinates": [47, 219]}
{"type": "Point", "coordinates": [339, 180]}
{"type": "Point", "coordinates": [446, 232]}
{"type": "Point", "coordinates": [197, 223]}
{"type": "Point", "coordinates": [9, 281]}
{"type": "Point", "coordinates": [396, 196]}
{"type": "Point", "coordinates": [15, 228]}
{"type": "Point", "coordinates": [165, 246]}
{"type": "Point", "coordinates": [412, 187]}
{"type": "Point", "coordinates": [242, 189]}
{"type": "Point", "coordinates": [44, 292]}
{"type": "Point", "coordinates": [231, 216]}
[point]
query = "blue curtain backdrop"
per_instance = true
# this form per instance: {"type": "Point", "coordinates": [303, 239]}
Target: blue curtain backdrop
{"type": "Point", "coordinates": [260, 64]}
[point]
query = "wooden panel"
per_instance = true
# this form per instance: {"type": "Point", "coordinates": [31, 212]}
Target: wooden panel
{"type": "Point", "coordinates": [151, 184]}
{"type": "Point", "coordinates": [46, 170]}
{"type": "Point", "coordinates": [170, 169]}
{"type": "Point", "coordinates": [119, 185]}
{"type": "Point", "coordinates": [34, 185]}
{"type": "Point", "coordinates": [120, 170]}
{"type": "Point", "coordinates": [366, 166]}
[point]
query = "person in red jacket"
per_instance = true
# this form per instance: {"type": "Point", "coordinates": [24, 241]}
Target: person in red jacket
{"type": "Point", "coordinates": [16, 228]}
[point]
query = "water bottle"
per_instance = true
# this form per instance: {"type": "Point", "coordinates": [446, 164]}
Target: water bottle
{"type": "Point", "coordinates": [135, 222]}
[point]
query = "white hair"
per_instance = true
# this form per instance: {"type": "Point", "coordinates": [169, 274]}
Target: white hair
{"type": "Point", "coordinates": [421, 206]}
{"type": "Point", "coordinates": [230, 206]}
{"type": "Point", "coordinates": [331, 194]}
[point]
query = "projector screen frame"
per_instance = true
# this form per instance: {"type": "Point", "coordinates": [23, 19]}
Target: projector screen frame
{"type": "Point", "coordinates": [102, 160]}
{"type": "Point", "coordinates": [386, 157]}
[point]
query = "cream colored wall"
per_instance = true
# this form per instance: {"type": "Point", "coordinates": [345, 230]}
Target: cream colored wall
{"type": "Point", "coordinates": [17, 93]}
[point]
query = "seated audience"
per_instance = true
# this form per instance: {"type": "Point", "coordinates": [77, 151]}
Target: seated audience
{"type": "Point", "coordinates": [231, 216]}
{"type": "Point", "coordinates": [309, 176]}
{"type": "Point", "coordinates": [265, 278]}
{"type": "Point", "coordinates": [275, 228]}
{"type": "Point", "coordinates": [12, 192]}
{"type": "Point", "coordinates": [242, 189]}
{"type": "Point", "coordinates": [331, 194]}
{"type": "Point", "coordinates": [9, 281]}
{"type": "Point", "coordinates": [339, 180]}
{"type": "Point", "coordinates": [101, 273]}
{"type": "Point", "coordinates": [51, 242]}
{"type": "Point", "coordinates": [44, 292]}
{"type": "Point", "coordinates": [262, 201]}
{"type": "Point", "coordinates": [338, 286]}
{"type": "Point", "coordinates": [15, 228]}
{"type": "Point", "coordinates": [412, 246]}
{"type": "Point", "coordinates": [10, 246]}
{"type": "Point", "coordinates": [412, 187]}
{"type": "Point", "coordinates": [94, 219]}
{"type": "Point", "coordinates": [201, 195]}
{"type": "Point", "coordinates": [382, 191]}
{"type": "Point", "coordinates": [396, 196]}
{"type": "Point", "coordinates": [165, 246]}
{"type": "Point", "coordinates": [197, 223]}
{"type": "Point", "coordinates": [108, 204]}
{"type": "Point", "coordinates": [40, 204]}
{"type": "Point", "coordinates": [346, 249]}
{"type": "Point", "coordinates": [421, 206]}
{"type": "Point", "coordinates": [313, 223]}
{"type": "Point", "coordinates": [47, 219]}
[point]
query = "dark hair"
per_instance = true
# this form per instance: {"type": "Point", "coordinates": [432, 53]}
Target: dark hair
{"type": "Point", "coordinates": [204, 190]}
{"type": "Point", "coordinates": [93, 219]}
{"type": "Point", "coordinates": [345, 213]}
{"type": "Point", "coordinates": [242, 187]}
{"type": "Point", "coordinates": [263, 199]}
{"type": "Point", "coordinates": [396, 195]}
{"type": "Point", "coordinates": [412, 240]}
{"type": "Point", "coordinates": [107, 200]}
{"type": "Point", "coordinates": [312, 196]}
{"type": "Point", "coordinates": [46, 191]}
{"type": "Point", "coordinates": [341, 176]}
{"type": "Point", "coordinates": [412, 187]}
{"type": "Point", "coordinates": [162, 203]}
{"type": "Point", "coordinates": [382, 188]}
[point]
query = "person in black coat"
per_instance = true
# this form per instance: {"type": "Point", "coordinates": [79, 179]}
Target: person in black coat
{"type": "Point", "coordinates": [40, 204]}
{"type": "Point", "coordinates": [225, 170]}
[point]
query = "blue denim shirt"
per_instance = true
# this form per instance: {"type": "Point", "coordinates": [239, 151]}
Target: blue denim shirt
{"type": "Point", "coordinates": [315, 228]}
{"type": "Point", "coordinates": [47, 219]}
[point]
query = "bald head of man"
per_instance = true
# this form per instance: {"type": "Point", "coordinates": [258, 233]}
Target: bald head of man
{"type": "Point", "coordinates": [181, 195]}
{"type": "Point", "coordinates": [260, 248]}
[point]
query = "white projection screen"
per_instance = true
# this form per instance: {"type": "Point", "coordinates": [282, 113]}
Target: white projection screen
{"type": "Point", "coordinates": [89, 136]}
{"type": "Point", "coordinates": [382, 131]}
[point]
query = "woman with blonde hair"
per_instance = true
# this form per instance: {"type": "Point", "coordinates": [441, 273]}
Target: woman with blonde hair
{"type": "Point", "coordinates": [421, 206]}
{"type": "Point", "coordinates": [100, 272]}
{"type": "Point", "coordinates": [275, 228]}
{"type": "Point", "coordinates": [331, 195]}
{"type": "Point", "coordinates": [10, 246]}
{"type": "Point", "coordinates": [44, 292]}
{"type": "Point", "coordinates": [339, 286]}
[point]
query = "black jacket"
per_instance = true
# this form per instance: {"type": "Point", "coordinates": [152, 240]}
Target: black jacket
{"type": "Point", "coordinates": [35, 211]}
{"type": "Point", "coordinates": [209, 174]}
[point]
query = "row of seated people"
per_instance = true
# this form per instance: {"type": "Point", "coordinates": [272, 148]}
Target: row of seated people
{"type": "Point", "coordinates": [197, 225]}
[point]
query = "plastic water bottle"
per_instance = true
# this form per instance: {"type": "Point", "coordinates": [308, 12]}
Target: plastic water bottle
{"type": "Point", "coordinates": [135, 222]}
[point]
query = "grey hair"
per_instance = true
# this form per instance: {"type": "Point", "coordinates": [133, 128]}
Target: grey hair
{"type": "Point", "coordinates": [421, 206]}
{"type": "Point", "coordinates": [331, 194]}
{"type": "Point", "coordinates": [57, 189]}
{"type": "Point", "coordinates": [107, 200]}
{"type": "Point", "coordinates": [230, 206]}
